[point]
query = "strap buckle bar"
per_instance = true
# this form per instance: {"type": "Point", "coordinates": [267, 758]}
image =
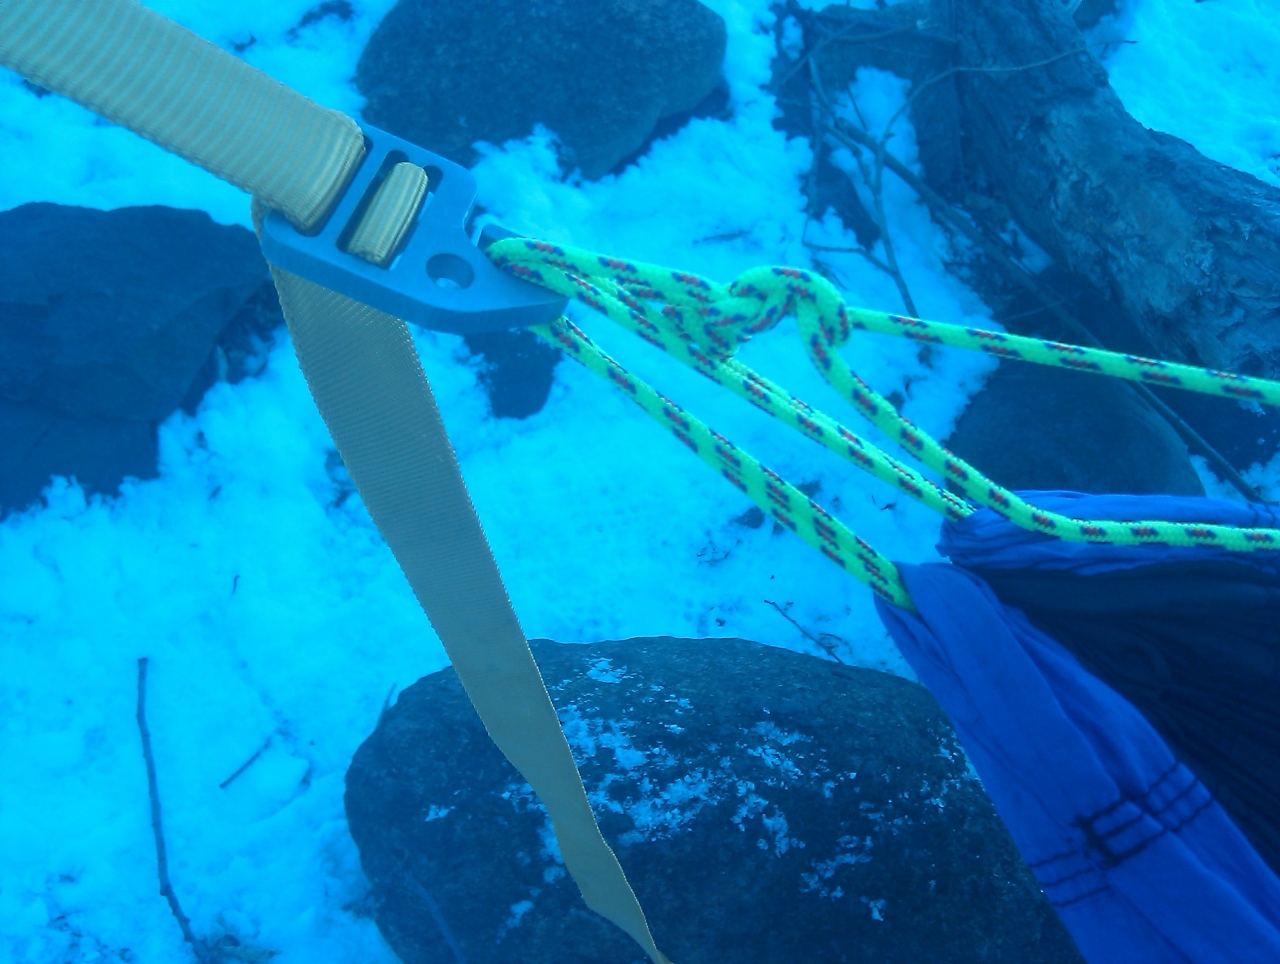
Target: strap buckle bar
{"type": "Point", "coordinates": [439, 279]}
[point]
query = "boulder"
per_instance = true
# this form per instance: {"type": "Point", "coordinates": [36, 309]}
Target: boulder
{"type": "Point", "coordinates": [516, 370]}
{"type": "Point", "coordinates": [109, 320]}
{"type": "Point", "coordinates": [599, 75]}
{"type": "Point", "coordinates": [36, 444]}
{"type": "Point", "coordinates": [1035, 427]}
{"type": "Point", "coordinates": [767, 807]}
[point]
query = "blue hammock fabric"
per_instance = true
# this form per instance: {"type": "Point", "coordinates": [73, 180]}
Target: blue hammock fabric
{"type": "Point", "coordinates": [985, 540]}
{"type": "Point", "coordinates": [1142, 864]}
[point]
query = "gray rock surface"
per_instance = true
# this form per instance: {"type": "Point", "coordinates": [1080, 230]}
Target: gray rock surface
{"type": "Point", "coordinates": [1035, 427]}
{"type": "Point", "coordinates": [109, 320]}
{"type": "Point", "coordinates": [600, 75]}
{"type": "Point", "coordinates": [516, 370]}
{"type": "Point", "coordinates": [766, 805]}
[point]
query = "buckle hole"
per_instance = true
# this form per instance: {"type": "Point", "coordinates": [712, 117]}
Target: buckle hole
{"type": "Point", "coordinates": [450, 271]}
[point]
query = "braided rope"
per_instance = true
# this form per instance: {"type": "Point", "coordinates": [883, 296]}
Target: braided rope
{"type": "Point", "coordinates": [776, 496]}
{"type": "Point", "coordinates": [1041, 351]}
{"type": "Point", "coordinates": [702, 323]}
{"type": "Point", "coordinates": [624, 306]}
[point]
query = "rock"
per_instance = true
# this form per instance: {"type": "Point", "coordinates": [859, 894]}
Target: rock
{"type": "Point", "coordinates": [107, 321]}
{"type": "Point", "coordinates": [600, 75]}
{"type": "Point", "coordinates": [110, 314]}
{"type": "Point", "coordinates": [1034, 427]}
{"type": "Point", "coordinates": [243, 346]}
{"type": "Point", "coordinates": [517, 369]}
{"type": "Point", "coordinates": [36, 444]}
{"type": "Point", "coordinates": [767, 807]}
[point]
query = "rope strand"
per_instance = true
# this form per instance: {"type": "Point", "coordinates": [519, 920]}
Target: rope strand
{"type": "Point", "coordinates": [702, 323]}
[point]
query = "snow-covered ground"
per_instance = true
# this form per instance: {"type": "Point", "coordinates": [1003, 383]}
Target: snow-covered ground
{"type": "Point", "coordinates": [274, 617]}
{"type": "Point", "coordinates": [1207, 72]}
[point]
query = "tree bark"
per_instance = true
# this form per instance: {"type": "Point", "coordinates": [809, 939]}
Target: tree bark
{"type": "Point", "coordinates": [1187, 248]}
{"type": "Point", "coordinates": [1157, 249]}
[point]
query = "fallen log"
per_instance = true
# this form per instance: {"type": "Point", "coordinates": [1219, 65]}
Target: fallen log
{"type": "Point", "coordinates": [1187, 248]}
{"type": "Point", "coordinates": [1160, 250]}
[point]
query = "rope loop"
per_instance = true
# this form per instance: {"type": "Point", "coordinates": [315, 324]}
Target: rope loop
{"type": "Point", "coordinates": [703, 323]}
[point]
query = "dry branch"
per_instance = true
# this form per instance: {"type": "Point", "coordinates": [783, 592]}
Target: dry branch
{"type": "Point", "coordinates": [157, 827]}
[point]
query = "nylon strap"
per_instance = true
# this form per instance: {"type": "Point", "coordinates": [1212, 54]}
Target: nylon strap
{"type": "Point", "coordinates": [392, 212]}
{"type": "Point", "coordinates": [146, 73]}
{"type": "Point", "coordinates": [367, 381]}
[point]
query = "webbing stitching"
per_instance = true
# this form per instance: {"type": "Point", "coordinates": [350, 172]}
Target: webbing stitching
{"type": "Point", "coordinates": [1098, 842]}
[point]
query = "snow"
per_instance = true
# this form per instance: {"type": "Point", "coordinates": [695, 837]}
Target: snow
{"type": "Point", "coordinates": [273, 617]}
{"type": "Point", "coordinates": [1206, 72]}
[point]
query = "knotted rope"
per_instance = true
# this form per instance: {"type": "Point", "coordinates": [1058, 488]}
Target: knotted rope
{"type": "Point", "coordinates": [703, 323]}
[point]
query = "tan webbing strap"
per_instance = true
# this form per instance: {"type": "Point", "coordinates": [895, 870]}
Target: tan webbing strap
{"type": "Point", "coordinates": [369, 386]}
{"type": "Point", "coordinates": [146, 73]}
{"type": "Point", "coordinates": [392, 212]}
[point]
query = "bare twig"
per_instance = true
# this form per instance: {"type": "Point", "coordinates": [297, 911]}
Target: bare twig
{"type": "Point", "coordinates": [928, 82]}
{"type": "Point", "coordinates": [1033, 311]}
{"type": "Point", "coordinates": [890, 256]}
{"type": "Point", "coordinates": [386, 704]}
{"type": "Point", "coordinates": [157, 830]}
{"type": "Point", "coordinates": [844, 35]}
{"type": "Point", "coordinates": [727, 236]}
{"type": "Point", "coordinates": [245, 765]}
{"type": "Point", "coordinates": [841, 36]}
{"type": "Point", "coordinates": [437, 915]}
{"type": "Point", "coordinates": [827, 271]}
{"type": "Point", "coordinates": [826, 646]}
{"type": "Point", "coordinates": [830, 16]}
{"type": "Point", "coordinates": [875, 183]}
{"type": "Point", "coordinates": [815, 163]}
{"type": "Point", "coordinates": [812, 246]}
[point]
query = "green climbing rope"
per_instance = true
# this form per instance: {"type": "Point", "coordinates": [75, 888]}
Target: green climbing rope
{"type": "Point", "coordinates": [702, 323]}
{"type": "Point", "coordinates": [782, 500]}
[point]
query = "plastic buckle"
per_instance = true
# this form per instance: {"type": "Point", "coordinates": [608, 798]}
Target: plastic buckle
{"type": "Point", "coordinates": [439, 279]}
